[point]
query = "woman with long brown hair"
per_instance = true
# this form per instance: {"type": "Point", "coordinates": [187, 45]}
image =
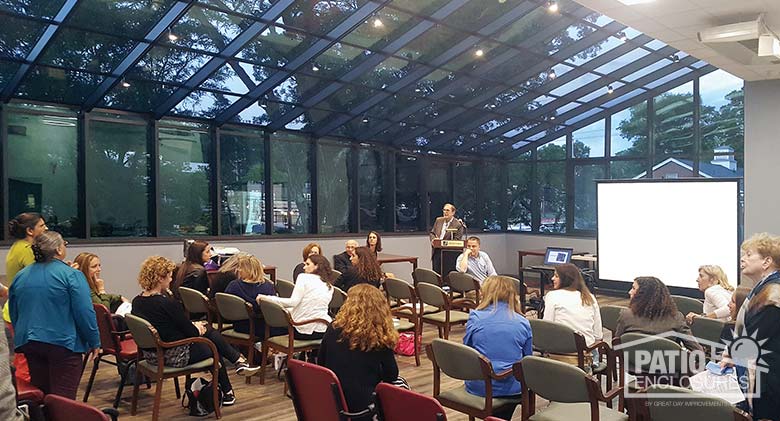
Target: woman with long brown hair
{"type": "Point", "coordinates": [358, 346]}
{"type": "Point", "coordinates": [364, 270]}
{"type": "Point", "coordinates": [310, 250]}
{"type": "Point", "coordinates": [89, 265]}
{"type": "Point", "coordinates": [651, 310]}
{"type": "Point", "coordinates": [374, 242]}
{"type": "Point", "coordinates": [500, 332]}
{"type": "Point", "coordinates": [191, 273]}
{"type": "Point", "coordinates": [572, 304]}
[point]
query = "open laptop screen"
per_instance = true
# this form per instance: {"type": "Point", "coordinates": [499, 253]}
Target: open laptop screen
{"type": "Point", "coordinates": [557, 256]}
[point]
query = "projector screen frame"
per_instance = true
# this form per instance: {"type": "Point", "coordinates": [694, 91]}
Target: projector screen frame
{"type": "Point", "coordinates": [623, 286]}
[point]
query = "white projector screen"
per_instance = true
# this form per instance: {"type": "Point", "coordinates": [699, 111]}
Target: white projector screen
{"type": "Point", "coordinates": [667, 229]}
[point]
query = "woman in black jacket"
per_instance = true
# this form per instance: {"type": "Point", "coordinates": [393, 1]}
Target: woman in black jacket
{"type": "Point", "coordinates": [364, 270]}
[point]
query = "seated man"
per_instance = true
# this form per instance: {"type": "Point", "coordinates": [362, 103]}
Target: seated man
{"type": "Point", "coordinates": [474, 262]}
{"type": "Point", "coordinates": [342, 261]}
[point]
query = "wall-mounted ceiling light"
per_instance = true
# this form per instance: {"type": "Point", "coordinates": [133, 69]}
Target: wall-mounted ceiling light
{"type": "Point", "coordinates": [365, 119]}
{"type": "Point", "coordinates": [622, 36]}
{"type": "Point", "coordinates": [552, 117]}
{"type": "Point", "coordinates": [263, 102]}
{"type": "Point", "coordinates": [172, 36]}
{"type": "Point", "coordinates": [378, 23]}
{"type": "Point", "coordinates": [314, 67]}
{"type": "Point", "coordinates": [124, 83]}
{"type": "Point", "coordinates": [441, 131]}
{"type": "Point", "coordinates": [479, 53]}
{"type": "Point", "coordinates": [609, 89]}
{"type": "Point", "coordinates": [675, 58]}
{"type": "Point", "coordinates": [552, 6]}
{"type": "Point", "coordinates": [551, 75]}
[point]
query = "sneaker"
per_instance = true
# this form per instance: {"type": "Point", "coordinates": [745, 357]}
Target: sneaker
{"type": "Point", "coordinates": [243, 369]}
{"type": "Point", "coordinates": [228, 398]}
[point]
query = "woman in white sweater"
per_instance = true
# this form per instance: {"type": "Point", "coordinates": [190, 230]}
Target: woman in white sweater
{"type": "Point", "coordinates": [571, 304]}
{"type": "Point", "coordinates": [714, 283]}
{"type": "Point", "coordinates": [310, 298]}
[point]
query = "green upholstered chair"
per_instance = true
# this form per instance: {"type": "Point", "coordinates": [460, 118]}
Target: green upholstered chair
{"type": "Point", "coordinates": [195, 302]}
{"type": "Point", "coordinates": [465, 363]}
{"type": "Point", "coordinates": [406, 310]}
{"type": "Point", "coordinates": [435, 296]}
{"type": "Point", "coordinates": [146, 337]}
{"type": "Point", "coordinates": [337, 300]}
{"type": "Point", "coordinates": [689, 405]}
{"type": "Point", "coordinates": [234, 308]}
{"type": "Point", "coordinates": [284, 288]}
{"type": "Point", "coordinates": [630, 345]}
{"type": "Point", "coordinates": [427, 276]}
{"type": "Point", "coordinates": [573, 394]}
{"type": "Point", "coordinates": [464, 283]}
{"type": "Point", "coordinates": [707, 330]}
{"type": "Point", "coordinates": [609, 316]}
{"type": "Point", "coordinates": [688, 305]}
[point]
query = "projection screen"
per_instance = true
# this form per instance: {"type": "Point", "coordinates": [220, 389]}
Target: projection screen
{"type": "Point", "coordinates": [667, 229]}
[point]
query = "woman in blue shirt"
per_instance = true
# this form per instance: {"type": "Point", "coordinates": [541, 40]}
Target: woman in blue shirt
{"type": "Point", "coordinates": [251, 282]}
{"type": "Point", "coordinates": [500, 332]}
{"type": "Point", "coordinates": [53, 319]}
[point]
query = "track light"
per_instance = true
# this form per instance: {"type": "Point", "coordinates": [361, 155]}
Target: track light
{"type": "Point", "coordinates": [263, 102]}
{"type": "Point", "coordinates": [551, 75]}
{"type": "Point", "coordinates": [479, 52]}
{"type": "Point", "coordinates": [622, 36]}
{"type": "Point", "coordinates": [125, 83]}
{"type": "Point", "coordinates": [172, 36]}
{"type": "Point", "coordinates": [609, 89]}
{"type": "Point", "coordinates": [552, 117]}
{"type": "Point", "coordinates": [314, 67]}
{"type": "Point", "coordinates": [675, 58]}
{"type": "Point", "coordinates": [552, 6]}
{"type": "Point", "coordinates": [378, 23]}
{"type": "Point", "coordinates": [365, 119]}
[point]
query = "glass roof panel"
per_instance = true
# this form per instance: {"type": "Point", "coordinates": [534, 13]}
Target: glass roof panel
{"type": "Point", "coordinates": [206, 30]}
{"type": "Point", "coordinates": [385, 73]}
{"type": "Point", "coordinates": [318, 17]}
{"type": "Point", "coordinates": [338, 59]}
{"type": "Point", "coordinates": [594, 51]}
{"type": "Point", "coordinates": [431, 44]}
{"type": "Point", "coordinates": [473, 58]}
{"type": "Point", "coordinates": [583, 116]}
{"type": "Point", "coordinates": [668, 78]}
{"type": "Point", "coordinates": [226, 80]}
{"type": "Point", "coordinates": [18, 42]}
{"type": "Point", "coordinates": [295, 87]}
{"type": "Point", "coordinates": [599, 19]}
{"type": "Point", "coordinates": [86, 50]}
{"type": "Point", "coordinates": [7, 71]}
{"type": "Point", "coordinates": [130, 18]}
{"type": "Point", "coordinates": [276, 46]}
{"type": "Point", "coordinates": [248, 7]}
{"type": "Point", "coordinates": [256, 72]}
{"type": "Point", "coordinates": [601, 91]}
{"type": "Point", "coordinates": [575, 32]}
{"type": "Point", "coordinates": [624, 98]}
{"type": "Point", "coordinates": [422, 7]}
{"type": "Point", "coordinates": [57, 85]}
{"type": "Point", "coordinates": [140, 96]}
{"type": "Point", "coordinates": [622, 61]}
{"type": "Point", "coordinates": [655, 45]}
{"type": "Point", "coordinates": [383, 27]}
{"type": "Point", "coordinates": [40, 9]}
{"type": "Point", "coordinates": [253, 114]}
{"type": "Point", "coordinates": [166, 64]}
{"type": "Point", "coordinates": [204, 104]}
{"type": "Point", "coordinates": [526, 27]}
{"type": "Point", "coordinates": [474, 14]}
{"type": "Point", "coordinates": [348, 97]}
{"type": "Point", "coordinates": [647, 70]}
{"type": "Point", "coordinates": [574, 84]}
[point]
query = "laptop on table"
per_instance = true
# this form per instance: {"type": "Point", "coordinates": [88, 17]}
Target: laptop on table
{"type": "Point", "coordinates": [555, 256]}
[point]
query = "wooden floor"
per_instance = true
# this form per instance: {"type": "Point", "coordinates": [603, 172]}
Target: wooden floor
{"type": "Point", "coordinates": [264, 402]}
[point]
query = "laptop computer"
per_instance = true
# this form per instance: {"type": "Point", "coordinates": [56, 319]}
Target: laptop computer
{"type": "Point", "coordinates": [555, 256]}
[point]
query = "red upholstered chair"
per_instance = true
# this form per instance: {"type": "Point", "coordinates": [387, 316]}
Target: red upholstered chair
{"type": "Point", "coordinates": [114, 343]}
{"type": "Point", "coordinates": [317, 394]}
{"type": "Point", "coordinates": [58, 408]}
{"type": "Point", "coordinates": [398, 404]}
{"type": "Point", "coordinates": [27, 392]}
{"type": "Point", "coordinates": [494, 419]}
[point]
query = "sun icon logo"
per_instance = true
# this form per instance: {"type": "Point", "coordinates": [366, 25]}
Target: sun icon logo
{"type": "Point", "coordinates": [747, 348]}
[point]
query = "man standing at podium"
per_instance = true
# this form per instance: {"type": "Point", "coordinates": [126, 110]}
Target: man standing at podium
{"type": "Point", "coordinates": [446, 227]}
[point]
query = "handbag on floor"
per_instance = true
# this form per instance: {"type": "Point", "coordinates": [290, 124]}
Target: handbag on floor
{"type": "Point", "coordinates": [198, 393]}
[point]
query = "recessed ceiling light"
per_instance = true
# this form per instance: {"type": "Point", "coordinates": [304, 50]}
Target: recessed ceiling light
{"type": "Point", "coordinates": [378, 23]}
{"type": "Point", "coordinates": [609, 89]}
{"type": "Point", "coordinates": [441, 131]}
{"type": "Point", "coordinates": [172, 36]}
{"type": "Point", "coordinates": [365, 119]}
{"type": "Point", "coordinates": [125, 84]}
{"type": "Point", "coordinates": [552, 117]}
{"type": "Point", "coordinates": [633, 2]}
{"type": "Point", "coordinates": [314, 68]}
{"type": "Point", "coordinates": [479, 52]}
{"type": "Point", "coordinates": [552, 6]}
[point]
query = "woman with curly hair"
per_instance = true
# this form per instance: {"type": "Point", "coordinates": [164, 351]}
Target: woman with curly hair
{"type": "Point", "coordinates": [358, 346]}
{"type": "Point", "coordinates": [364, 270]}
{"type": "Point", "coordinates": [651, 310]}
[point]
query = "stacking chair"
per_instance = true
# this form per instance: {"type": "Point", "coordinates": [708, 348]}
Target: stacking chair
{"type": "Point", "coordinates": [629, 345]}
{"type": "Point", "coordinates": [317, 394]}
{"type": "Point", "coordinates": [408, 315]}
{"type": "Point", "coordinates": [195, 302]}
{"type": "Point", "coordinates": [427, 276]}
{"type": "Point", "coordinates": [276, 316]}
{"type": "Point", "coordinates": [573, 394]}
{"type": "Point", "coordinates": [609, 316]}
{"type": "Point", "coordinates": [688, 305]}
{"type": "Point", "coordinates": [336, 275]}
{"type": "Point", "coordinates": [398, 404]}
{"type": "Point", "coordinates": [688, 405]}
{"type": "Point", "coordinates": [284, 288]}
{"type": "Point", "coordinates": [464, 363]}
{"type": "Point", "coordinates": [464, 283]}
{"type": "Point", "coordinates": [447, 316]}
{"type": "Point", "coordinates": [146, 337]}
{"type": "Point", "coordinates": [58, 408]}
{"type": "Point", "coordinates": [234, 308]}
{"type": "Point", "coordinates": [707, 330]}
{"type": "Point", "coordinates": [339, 296]}
{"type": "Point", "coordinates": [113, 343]}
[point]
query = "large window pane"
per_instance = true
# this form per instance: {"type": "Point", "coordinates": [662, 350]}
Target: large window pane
{"type": "Point", "coordinates": [372, 206]}
{"type": "Point", "coordinates": [519, 189]}
{"type": "Point", "coordinates": [552, 196]}
{"type": "Point", "coordinates": [629, 131]}
{"type": "Point", "coordinates": [465, 194]}
{"type": "Point", "coordinates": [626, 170]}
{"type": "Point", "coordinates": [492, 187]}
{"type": "Point", "coordinates": [242, 176]}
{"type": "Point", "coordinates": [185, 171]}
{"type": "Point", "coordinates": [42, 170]}
{"type": "Point", "coordinates": [722, 125]}
{"type": "Point", "coordinates": [439, 189]}
{"type": "Point", "coordinates": [553, 150]}
{"type": "Point", "coordinates": [673, 122]}
{"type": "Point", "coordinates": [585, 195]}
{"type": "Point", "coordinates": [118, 180]}
{"type": "Point", "coordinates": [291, 180]}
{"type": "Point", "coordinates": [407, 196]}
{"type": "Point", "coordinates": [589, 141]}
{"type": "Point", "coordinates": [333, 188]}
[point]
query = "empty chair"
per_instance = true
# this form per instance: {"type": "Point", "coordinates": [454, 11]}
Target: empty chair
{"type": "Point", "coordinates": [707, 330]}
{"type": "Point", "coordinates": [573, 394]}
{"type": "Point", "coordinates": [689, 405]}
{"type": "Point", "coordinates": [609, 316]}
{"type": "Point", "coordinates": [394, 403]}
{"type": "Point", "coordinates": [408, 314]}
{"type": "Point", "coordinates": [465, 283]}
{"type": "Point", "coordinates": [58, 408]}
{"type": "Point", "coordinates": [447, 315]}
{"type": "Point", "coordinates": [317, 394]}
{"type": "Point", "coordinates": [688, 305]}
{"type": "Point", "coordinates": [422, 275]}
{"type": "Point", "coordinates": [284, 288]}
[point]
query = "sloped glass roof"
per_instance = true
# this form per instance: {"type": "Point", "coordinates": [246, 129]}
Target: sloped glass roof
{"type": "Point", "coordinates": [491, 77]}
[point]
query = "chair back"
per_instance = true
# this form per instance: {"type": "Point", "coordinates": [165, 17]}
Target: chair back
{"type": "Point", "coordinates": [689, 405]}
{"type": "Point", "coordinates": [194, 301]}
{"type": "Point", "coordinates": [431, 294]}
{"type": "Point", "coordinates": [398, 289]}
{"type": "Point", "coordinates": [316, 391]}
{"type": "Point", "coordinates": [426, 276]}
{"type": "Point", "coordinates": [336, 275]}
{"type": "Point", "coordinates": [463, 282]}
{"type": "Point", "coordinates": [233, 307]}
{"type": "Point", "coordinates": [108, 341]}
{"type": "Point", "coordinates": [398, 404]}
{"type": "Point", "coordinates": [59, 408]}
{"type": "Point", "coordinates": [274, 314]}
{"type": "Point", "coordinates": [142, 332]}
{"type": "Point", "coordinates": [457, 360]}
{"type": "Point", "coordinates": [688, 305]}
{"type": "Point", "coordinates": [552, 337]}
{"type": "Point", "coordinates": [634, 344]}
{"type": "Point", "coordinates": [609, 316]}
{"type": "Point", "coordinates": [338, 298]}
{"type": "Point", "coordinates": [707, 329]}
{"type": "Point", "coordinates": [284, 288]}
{"type": "Point", "coordinates": [552, 380]}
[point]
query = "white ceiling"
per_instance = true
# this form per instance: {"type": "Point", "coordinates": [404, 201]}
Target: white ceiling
{"type": "Point", "coordinates": [677, 22]}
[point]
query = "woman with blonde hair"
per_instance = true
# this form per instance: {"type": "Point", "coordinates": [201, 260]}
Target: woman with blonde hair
{"type": "Point", "coordinates": [714, 283]}
{"type": "Point", "coordinates": [358, 346]}
{"type": "Point", "coordinates": [500, 332]}
{"type": "Point", "coordinates": [89, 265]}
{"type": "Point", "coordinates": [249, 284]}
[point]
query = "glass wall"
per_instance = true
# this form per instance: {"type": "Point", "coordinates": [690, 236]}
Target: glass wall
{"type": "Point", "coordinates": [722, 125]}
{"type": "Point", "coordinates": [520, 195]}
{"type": "Point", "coordinates": [585, 195]}
{"type": "Point", "coordinates": [439, 184]}
{"type": "Point", "coordinates": [464, 194]}
{"type": "Point", "coordinates": [291, 182]}
{"type": "Point", "coordinates": [242, 176]}
{"type": "Point", "coordinates": [407, 193]}
{"type": "Point", "coordinates": [371, 170]}
{"type": "Point", "coordinates": [551, 177]}
{"type": "Point", "coordinates": [333, 187]}
{"type": "Point", "coordinates": [588, 142]}
{"type": "Point", "coordinates": [491, 184]}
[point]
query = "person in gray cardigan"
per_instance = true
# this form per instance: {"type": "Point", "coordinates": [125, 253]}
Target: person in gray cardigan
{"type": "Point", "coordinates": [652, 311]}
{"type": "Point", "coordinates": [8, 409]}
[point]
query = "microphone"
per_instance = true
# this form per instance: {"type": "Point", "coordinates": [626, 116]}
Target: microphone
{"type": "Point", "coordinates": [462, 223]}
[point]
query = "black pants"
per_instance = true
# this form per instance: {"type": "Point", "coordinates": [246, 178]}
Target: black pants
{"type": "Point", "coordinates": [54, 369]}
{"type": "Point", "coordinates": [507, 411]}
{"type": "Point", "coordinates": [200, 352]}
{"type": "Point", "coordinates": [306, 336]}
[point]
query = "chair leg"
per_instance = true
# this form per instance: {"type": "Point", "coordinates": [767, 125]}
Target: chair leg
{"type": "Point", "coordinates": [92, 377]}
{"type": "Point", "coordinates": [176, 386]}
{"type": "Point", "coordinates": [251, 359]}
{"type": "Point", "coordinates": [417, 339]}
{"type": "Point", "coordinates": [136, 386]}
{"type": "Point", "coordinates": [217, 403]}
{"type": "Point", "coordinates": [122, 378]}
{"type": "Point", "coordinates": [447, 331]}
{"type": "Point", "coordinates": [440, 332]}
{"type": "Point", "coordinates": [262, 365]}
{"type": "Point", "coordinates": [157, 399]}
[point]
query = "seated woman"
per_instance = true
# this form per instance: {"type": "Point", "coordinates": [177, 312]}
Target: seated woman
{"type": "Point", "coordinates": [572, 304]}
{"type": "Point", "coordinates": [310, 298]}
{"type": "Point", "coordinates": [89, 265]}
{"type": "Point", "coordinates": [364, 270]}
{"type": "Point", "coordinates": [374, 242]}
{"type": "Point", "coordinates": [191, 273]}
{"type": "Point", "coordinates": [167, 316]}
{"type": "Point", "coordinates": [250, 283]}
{"type": "Point", "coordinates": [226, 274]}
{"type": "Point", "coordinates": [500, 332]}
{"type": "Point", "coordinates": [310, 250]}
{"type": "Point", "coordinates": [714, 283]}
{"type": "Point", "coordinates": [358, 346]}
{"type": "Point", "coordinates": [651, 310]}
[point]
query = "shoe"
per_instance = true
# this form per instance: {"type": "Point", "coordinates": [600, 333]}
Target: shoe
{"type": "Point", "coordinates": [243, 369]}
{"type": "Point", "coordinates": [228, 398]}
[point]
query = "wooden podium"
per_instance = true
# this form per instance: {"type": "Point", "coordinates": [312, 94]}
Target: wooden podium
{"type": "Point", "coordinates": [445, 254]}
